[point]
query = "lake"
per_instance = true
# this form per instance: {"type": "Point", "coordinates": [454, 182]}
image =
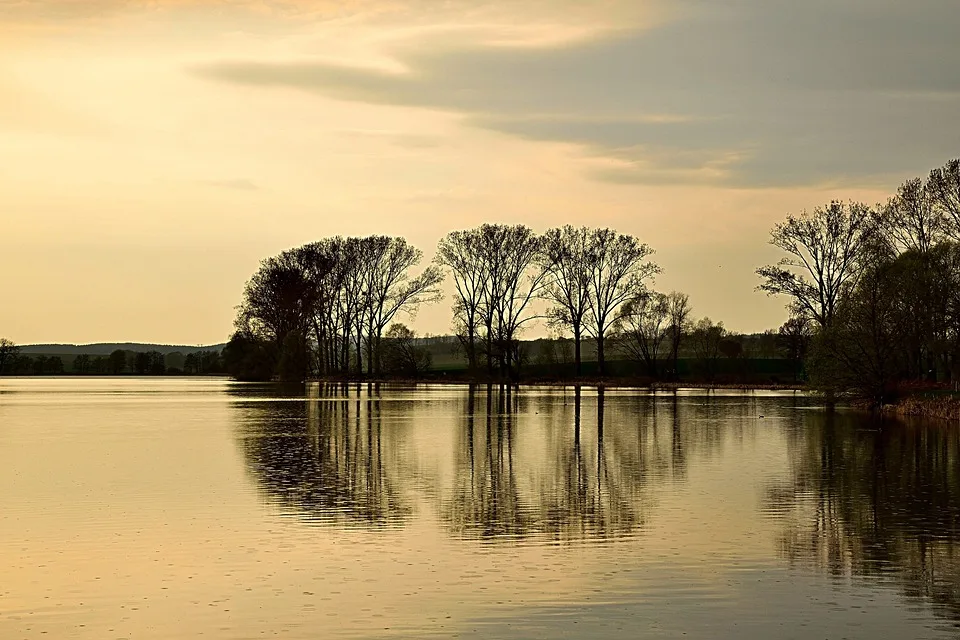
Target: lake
{"type": "Point", "coordinates": [175, 508]}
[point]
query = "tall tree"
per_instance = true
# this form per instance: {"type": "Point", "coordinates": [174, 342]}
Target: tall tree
{"type": "Point", "coordinates": [642, 328]}
{"type": "Point", "coordinates": [566, 258]}
{"type": "Point", "coordinates": [944, 184]}
{"type": "Point", "coordinates": [822, 250]}
{"type": "Point", "coordinates": [392, 289]}
{"type": "Point", "coordinates": [278, 301]}
{"type": "Point", "coordinates": [463, 253]}
{"type": "Point", "coordinates": [516, 279]}
{"type": "Point", "coordinates": [618, 269]}
{"type": "Point", "coordinates": [678, 305]}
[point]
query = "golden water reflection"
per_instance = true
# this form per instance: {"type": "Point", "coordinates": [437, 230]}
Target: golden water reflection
{"type": "Point", "coordinates": [179, 508]}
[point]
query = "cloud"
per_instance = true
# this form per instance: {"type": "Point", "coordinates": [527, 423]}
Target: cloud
{"type": "Point", "coordinates": [746, 92]}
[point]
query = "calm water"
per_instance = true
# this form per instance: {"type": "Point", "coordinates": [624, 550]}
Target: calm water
{"type": "Point", "coordinates": [134, 508]}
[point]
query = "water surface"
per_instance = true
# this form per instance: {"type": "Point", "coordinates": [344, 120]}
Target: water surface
{"type": "Point", "coordinates": [172, 508]}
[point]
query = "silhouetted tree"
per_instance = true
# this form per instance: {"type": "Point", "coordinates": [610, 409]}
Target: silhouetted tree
{"type": "Point", "coordinates": [678, 306]}
{"type": "Point", "coordinates": [9, 352]}
{"type": "Point", "coordinates": [463, 252]}
{"type": "Point", "coordinates": [117, 362]}
{"type": "Point", "coordinates": [566, 260]}
{"type": "Point", "coordinates": [516, 279]}
{"type": "Point", "coordinates": [278, 299]}
{"type": "Point", "coordinates": [401, 355]}
{"type": "Point", "coordinates": [53, 366]}
{"type": "Point", "coordinates": [643, 327]}
{"type": "Point", "coordinates": [391, 288]}
{"type": "Point", "coordinates": [294, 362]}
{"type": "Point", "coordinates": [99, 365]}
{"type": "Point", "coordinates": [731, 347]}
{"type": "Point", "coordinates": [707, 338]}
{"type": "Point", "coordinates": [247, 358]}
{"type": "Point", "coordinates": [823, 250]}
{"type": "Point", "coordinates": [141, 363]}
{"type": "Point", "coordinates": [944, 184]}
{"type": "Point", "coordinates": [81, 364]}
{"type": "Point", "coordinates": [619, 268]}
{"type": "Point", "coordinates": [911, 219]}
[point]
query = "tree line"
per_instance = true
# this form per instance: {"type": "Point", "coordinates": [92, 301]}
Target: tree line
{"type": "Point", "coordinates": [874, 291]}
{"type": "Point", "coordinates": [119, 362]}
{"type": "Point", "coordinates": [328, 307]}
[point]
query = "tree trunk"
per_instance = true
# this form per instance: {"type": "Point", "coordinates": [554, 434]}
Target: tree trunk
{"type": "Point", "coordinates": [472, 349]}
{"type": "Point", "coordinates": [577, 341]}
{"type": "Point", "coordinates": [489, 350]}
{"type": "Point", "coordinates": [359, 351]}
{"type": "Point", "coordinates": [600, 356]}
{"type": "Point", "coordinates": [370, 348]}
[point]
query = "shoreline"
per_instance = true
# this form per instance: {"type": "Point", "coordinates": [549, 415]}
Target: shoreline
{"type": "Point", "coordinates": [945, 407]}
{"type": "Point", "coordinates": [582, 382]}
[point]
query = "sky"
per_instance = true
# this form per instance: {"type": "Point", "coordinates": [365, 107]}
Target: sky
{"type": "Point", "coordinates": [153, 151]}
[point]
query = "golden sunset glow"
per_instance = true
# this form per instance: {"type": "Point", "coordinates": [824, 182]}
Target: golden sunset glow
{"type": "Point", "coordinates": [154, 151]}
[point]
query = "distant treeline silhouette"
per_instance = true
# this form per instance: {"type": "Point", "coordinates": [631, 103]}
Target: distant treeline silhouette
{"type": "Point", "coordinates": [119, 362]}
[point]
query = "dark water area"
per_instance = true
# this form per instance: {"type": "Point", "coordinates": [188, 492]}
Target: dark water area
{"type": "Point", "coordinates": [173, 508]}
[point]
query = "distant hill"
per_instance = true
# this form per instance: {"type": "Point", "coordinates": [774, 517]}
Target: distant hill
{"type": "Point", "coordinates": [106, 348]}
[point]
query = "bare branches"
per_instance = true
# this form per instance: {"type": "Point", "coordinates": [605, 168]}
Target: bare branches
{"type": "Point", "coordinates": [944, 186]}
{"type": "Point", "coordinates": [618, 269]}
{"type": "Point", "coordinates": [911, 219]}
{"type": "Point", "coordinates": [643, 326]}
{"type": "Point", "coordinates": [565, 260]}
{"type": "Point", "coordinates": [342, 293]}
{"type": "Point", "coordinates": [823, 252]}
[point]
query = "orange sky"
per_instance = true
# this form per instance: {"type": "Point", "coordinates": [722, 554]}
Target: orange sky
{"type": "Point", "coordinates": [154, 151]}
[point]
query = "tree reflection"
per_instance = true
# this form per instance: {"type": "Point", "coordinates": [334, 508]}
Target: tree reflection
{"type": "Point", "coordinates": [574, 477]}
{"type": "Point", "coordinates": [561, 465]}
{"type": "Point", "coordinates": [323, 457]}
{"type": "Point", "coordinates": [875, 499]}
{"type": "Point", "coordinates": [486, 497]}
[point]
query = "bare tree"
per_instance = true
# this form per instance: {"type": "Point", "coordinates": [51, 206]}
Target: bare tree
{"type": "Point", "coordinates": [618, 268]}
{"type": "Point", "coordinates": [678, 305]}
{"type": "Point", "coordinates": [391, 289]}
{"type": "Point", "coordinates": [8, 354]}
{"type": "Point", "coordinates": [463, 253]}
{"type": "Point", "coordinates": [567, 287]}
{"type": "Point", "coordinates": [944, 184]}
{"type": "Point", "coordinates": [516, 279]}
{"type": "Point", "coordinates": [822, 249]}
{"type": "Point", "coordinates": [642, 328]}
{"type": "Point", "coordinates": [911, 220]}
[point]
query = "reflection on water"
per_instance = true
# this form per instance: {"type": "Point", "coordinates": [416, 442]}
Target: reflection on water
{"type": "Point", "coordinates": [173, 508]}
{"type": "Point", "coordinates": [875, 500]}
{"type": "Point", "coordinates": [324, 458]}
